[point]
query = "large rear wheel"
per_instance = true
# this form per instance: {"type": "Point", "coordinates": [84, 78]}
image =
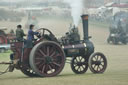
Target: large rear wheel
{"type": "Point", "coordinates": [47, 59]}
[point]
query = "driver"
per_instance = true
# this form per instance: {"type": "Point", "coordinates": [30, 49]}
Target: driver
{"type": "Point", "coordinates": [30, 37]}
{"type": "Point", "coordinates": [31, 33]}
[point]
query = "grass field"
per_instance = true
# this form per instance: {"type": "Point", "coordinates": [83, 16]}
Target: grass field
{"type": "Point", "coordinates": [116, 73]}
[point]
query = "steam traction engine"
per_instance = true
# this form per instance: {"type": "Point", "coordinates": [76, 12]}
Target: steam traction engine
{"type": "Point", "coordinates": [46, 56]}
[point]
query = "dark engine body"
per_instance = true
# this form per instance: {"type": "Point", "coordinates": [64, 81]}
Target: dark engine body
{"type": "Point", "coordinates": [81, 49]}
{"type": "Point", "coordinates": [72, 44]}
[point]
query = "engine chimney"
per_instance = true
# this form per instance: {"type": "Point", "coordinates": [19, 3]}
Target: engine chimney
{"type": "Point", "coordinates": [85, 26]}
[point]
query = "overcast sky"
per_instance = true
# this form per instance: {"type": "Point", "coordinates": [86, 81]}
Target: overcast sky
{"type": "Point", "coordinates": [43, 0]}
{"type": "Point", "coordinates": [12, 0]}
{"type": "Point", "coordinates": [20, 0]}
{"type": "Point", "coordinates": [27, 0]}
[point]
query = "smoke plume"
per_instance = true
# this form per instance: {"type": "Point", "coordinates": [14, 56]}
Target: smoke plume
{"type": "Point", "coordinates": [77, 7]}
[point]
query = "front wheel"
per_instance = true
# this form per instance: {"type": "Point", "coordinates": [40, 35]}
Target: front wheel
{"type": "Point", "coordinates": [79, 64]}
{"type": "Point", "coordinates": [97, 62]}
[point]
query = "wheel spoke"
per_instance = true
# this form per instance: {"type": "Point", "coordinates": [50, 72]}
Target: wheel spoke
{"type": "Point", "coordinates": [85, 63]}
{"type": "Point", "coordinates": [53, 53]}
{"type": "Point", "coordinates": [43, 69]}
{"type": "Point", "coordinates": [94, 66]}
{"type": "Point", "coordinates": [39, 58]}
{"type": "Point", "coordinates": [97, 68]}
{"type": "Point", "coordinates": [96, 57]}
{"type": "Point", "coordinates": [37, 63]}
{"type": "Point", "coordinates": [82, 58]}
{"type": "Point", "coordinates": [59, 54]}
{"type": "Point", "coordinates": [52, 65]}
{"type": "Point", "coordinates": [79, 58]}
{"type": "Point", "coordinates": [100, 58]}
{"type": "Point", "coordinates": [76, 60]}
{"type": "Point", "coordinates": [56, 55]}
{"type": "Point", "coordinates": [83, 66]}
{"type": "Point", "coordinates": [56, 64]}
{"type": "Point", "coordinates": [40, 66]}
{"type": "Point", "coordinates": [101, 66]}
{"type": "Point", "coordinates": [48, 52]}
{"type": "Point", "coordinates": [50, 68]}
{"type": "Point", "coordinates": [42, 53]}
{"type": "Point", "coordinates": [102, 63]}
{"type": "Point", "coordinates": [78, 68]}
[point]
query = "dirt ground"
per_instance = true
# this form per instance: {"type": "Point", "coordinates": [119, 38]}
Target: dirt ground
{"type": "Point", "coordinates": [117, 56]}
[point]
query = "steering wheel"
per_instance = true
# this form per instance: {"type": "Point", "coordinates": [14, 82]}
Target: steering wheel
{"type": "Point", "coordinates": [42, 32]}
